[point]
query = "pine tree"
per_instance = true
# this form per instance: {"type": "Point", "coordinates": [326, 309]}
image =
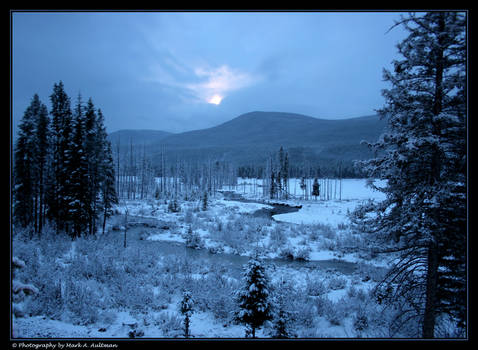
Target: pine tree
{"type": "Point", "coordinates": [186, 309]}
{"type": "Point", "coordinates": [23, 174]}
{"type": "Point", "coordinates": [253, 298]}
{"type": "Point", "coordinates": [60, 156]}
{"type": "Point", "coordinates": [93, 148]}
{"type": "Point", "coordinates": [303, 185]}
{"type": "Point", "coordinates": [285, 175]}
{"type": "Point", "coordinates": [78, 195]}
{"type": "Point", "coordinates": [30, 162]}
{"type": "Point", "coordinates": [423, 158]}
{"type": "Point", "coordinates": [42, 143]}
{"type": "Point", "coordinates": [273, 189]}
{"type": "Point", "coordinates": [106, 170]}
{"type": "Point", "coordinates": [316, 188]}
{"type": "Point", "coordinates": [204, 201]}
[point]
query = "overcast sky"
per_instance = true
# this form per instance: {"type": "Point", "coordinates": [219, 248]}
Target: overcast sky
{"type": "Point", "coordinates": [191, 70]}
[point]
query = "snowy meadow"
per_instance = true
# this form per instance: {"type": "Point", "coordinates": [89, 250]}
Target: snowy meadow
{"type": "Point", "coordinates": [129, 281]}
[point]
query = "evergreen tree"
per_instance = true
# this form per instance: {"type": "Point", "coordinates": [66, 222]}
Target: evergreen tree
{"type": "Point", "coordinates": [78, 194]}
{"type": "Point", "coordinates": [423, 158]}
{"type": "Point", "coordinates": [316, 188]}
{"type": "Point", "coordinates": [93, 148]}
{"type": "Point", "coordinates": [204, 201]}
{"type": "Point", "coordinates": [273, 189]}
{"type": "Point", "coordinates": [30, 162]}
{"type": "Point", "coordinates": [61, 154]}
{"type": "Point", "coordinates": [280, 172]}
{"type": "Point", "coordinates": [186, 309]}
{"type": "Point", "coordinates": [303, 185]}
{"type": "Point", "coordinates": [107, 171]}
{"type": "Point", "coordinates": [42, 143]}
{"type": "Point", "coordinates": [285, 175]}
{"type": "Point", "coordinates": [253, 298]}
{"type": "Point", "coordinates": [23, 172]}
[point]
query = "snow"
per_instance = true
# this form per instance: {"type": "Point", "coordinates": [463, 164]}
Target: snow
{"type": "Point", "coordinates": [334, 212]}
{"type": "Point", "coordinates": [203, 323]}
{"type": "Point", "coordinates": [324, 212]}
{"type": "Point", "coordinates": [241, 207]}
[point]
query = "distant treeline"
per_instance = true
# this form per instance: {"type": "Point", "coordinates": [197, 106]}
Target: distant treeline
{"type": "Point", "coordinates": [308, 170]}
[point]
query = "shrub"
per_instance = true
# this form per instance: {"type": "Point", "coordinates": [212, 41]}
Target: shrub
{"type": "Point", "coordinates": [287, 253]}
{"type": "Point", "coordinates": [337, 282]}
{"type": "Point", "coordinates": [302, 253]}
{"type": "Point", "coordinates": [360, 321]}
{"type": "Point", "coordinates": [81, 302]}
{"type": "Point", "coordinates": [315, 287]}
{"type": "Point", "coordinates": [333, 312]}
{"type": "Point", "coordinates": [277, 237]}
{"type": "Point", "coordinates": [193, 240]}
{"type": "Point", "coordinates": [188, 216]}
{"type": "Point", "coordinates": [170, 323]}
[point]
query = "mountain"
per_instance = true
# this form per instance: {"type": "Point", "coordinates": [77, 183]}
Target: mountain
{"type": "Point", "coordinates": [278, 128]}
{"type": "Point", "coordinates": [251, 138]}
{"type": "Point", "coordinates": [137, 137]}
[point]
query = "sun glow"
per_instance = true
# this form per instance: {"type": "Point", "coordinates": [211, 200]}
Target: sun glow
{"type": "Point", "coordinates": [216, 99]}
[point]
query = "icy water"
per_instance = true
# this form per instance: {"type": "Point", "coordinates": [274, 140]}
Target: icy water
{"type": "Point", "coordinates": [277, 208]}
{"type": "Point", "coordinates": [232, 263]}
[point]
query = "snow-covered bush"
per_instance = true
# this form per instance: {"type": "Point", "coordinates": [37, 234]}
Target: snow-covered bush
{"type": "Point", "coordinates": [334, 312]}
{"type": "Point", "coordinates": [287, 252]}
{"type": "Point", "coordinates": [323, 230]}
{"type": "Point", "coordinates": [133, 294]}
{"type": "Point", "coordinates": [337, 282]}
{"type": "Point", "coordinates": [193, 239]}
{"type": "Point", "coordinates": [360, 322]}
{"type": "Point", "coordinates": [277, 237]}
{"type": "Point", "coordinates": [170, 323]}
{"type": "Point", "coordinates": [188, 216]}
{"type": "Point", "coordinates": [315, 286]}
{"type": "Point", "coordinates": [21, 291]}
{"type": "Point", "coordinates": [173, 206]}
{"type": "Point", "coordinates": [81, 302]}
{"type": "Point", "coordinates": [292, 253]}
{"type": "Point", "coordinates": [303, 310]}
{"type": "Point", "coordinates": [302, 253]}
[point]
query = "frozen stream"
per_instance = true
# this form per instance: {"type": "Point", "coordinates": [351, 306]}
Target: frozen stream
{"type": "Point", "coordinates": [232, 263]}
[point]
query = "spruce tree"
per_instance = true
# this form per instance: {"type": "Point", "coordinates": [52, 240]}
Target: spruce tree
{"type": "Point", "coordinates": [254, 298]}
{"type": "Point", "coordinates": [316, 188]}
{"type": "Point", "coordinates": [285, 175]}
{"type": "Point", "coordinates": [79, 200]}
{"type": "Point", "coordinates": [61, 120]}
{"type": "Point", "coordinates": [94, 153]}
{"type": "Point", "coordinates": [23, 172]}
{"type": "Point", "coordinates": [204, 201]}
{"type": "Point", "coordinates": [186, 309]}
{"type": "Point", "coordinates": [106, 170]}
{"type": "Point", "coordinates": [30, 162]}
{"type": "Point", "coordinates": [423, 158]}
{"type": "Point", "coordinates": [42, 143]}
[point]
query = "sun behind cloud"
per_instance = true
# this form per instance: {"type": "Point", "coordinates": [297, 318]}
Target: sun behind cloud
{"type": "Point", "coordinates": [215, 99]}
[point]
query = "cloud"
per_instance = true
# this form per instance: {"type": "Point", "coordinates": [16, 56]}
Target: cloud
{"type": "Point", "coordinates": [218, 82]}
{"type": "Point", "coordinates": [204, 83]}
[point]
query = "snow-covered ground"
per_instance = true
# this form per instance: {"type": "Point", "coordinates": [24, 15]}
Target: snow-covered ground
{"type": "Point", "coordinates": [225, 228]}
{"type": "Point", "coordinates": [330, 212]}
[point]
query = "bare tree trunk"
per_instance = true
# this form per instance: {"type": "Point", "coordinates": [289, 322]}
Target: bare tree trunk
{"type": "Point", "coordinates": [125, 226]}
